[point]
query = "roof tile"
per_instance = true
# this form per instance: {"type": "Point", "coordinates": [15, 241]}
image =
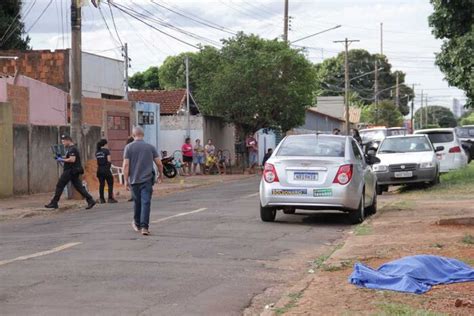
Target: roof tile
{"type": "Point", "coordinates": [171, 101]}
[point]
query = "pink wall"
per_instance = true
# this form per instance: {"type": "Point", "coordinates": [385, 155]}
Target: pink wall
{"type": "Point", "coordinates": [3, 87]}
{"type": "Point", "coordinates": [48, 105]}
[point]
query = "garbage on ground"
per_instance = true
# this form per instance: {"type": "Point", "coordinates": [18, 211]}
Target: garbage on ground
{"type": "Point", "coordinates": [414, 274]}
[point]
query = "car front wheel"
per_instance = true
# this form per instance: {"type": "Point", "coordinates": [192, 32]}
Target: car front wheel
{"type": "Point", "coordinates": [358, 216]}
{"type": "Point", "coordinates": [267, 214]}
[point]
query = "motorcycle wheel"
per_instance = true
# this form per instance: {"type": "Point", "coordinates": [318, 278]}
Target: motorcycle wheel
{"type": "Point", "coordinates": [169, 171]}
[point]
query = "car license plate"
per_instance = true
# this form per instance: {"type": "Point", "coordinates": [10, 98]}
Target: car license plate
{"type": "Point", "coordinates": [305, 176]}
{"type": "Point", "coordinates": [322, 192]}
{"type": "Point", "coordinates": [404, 174]}
{"type": "Point", "coordinates": [289, 192]}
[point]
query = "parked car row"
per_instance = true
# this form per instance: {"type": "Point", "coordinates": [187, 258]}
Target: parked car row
{"type": "Point", "coordinates": [332, 172]}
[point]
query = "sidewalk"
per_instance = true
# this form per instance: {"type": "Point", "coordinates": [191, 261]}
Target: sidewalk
{"type": "Point", "coordinates": [407, 224]}
{"type": "Point", "coordinates": [33, 205]}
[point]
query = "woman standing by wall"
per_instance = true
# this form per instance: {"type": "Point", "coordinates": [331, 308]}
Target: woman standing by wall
{"type": "Point", "coordinates": [103, 171]}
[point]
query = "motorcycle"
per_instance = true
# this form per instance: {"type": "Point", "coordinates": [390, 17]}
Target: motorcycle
{"type": "Point", "coordinates": [169, 168]}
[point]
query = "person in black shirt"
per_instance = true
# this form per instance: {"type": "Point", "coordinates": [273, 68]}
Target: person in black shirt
{"type": "Point", "coordinates": [71, 171]}
{"type": "Point", "coordinates": [103, 171]}
{"type": "Point", "coordinates": [267, 156]}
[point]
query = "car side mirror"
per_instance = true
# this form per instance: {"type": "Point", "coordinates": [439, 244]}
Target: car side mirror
{"type": "Point", "coordinates": [372, 160]}
{"type": "Point", "coordinates": [371, 152]}
{"type": "Point", "coordinates": [439, 148]}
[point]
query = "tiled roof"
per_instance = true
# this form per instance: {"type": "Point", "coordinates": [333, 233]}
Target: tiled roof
{"type": "Point", "coordinates": [170, 101]}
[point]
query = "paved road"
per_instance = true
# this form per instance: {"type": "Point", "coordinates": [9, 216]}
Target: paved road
{"type": "Point", "coordinates": [208, 254]}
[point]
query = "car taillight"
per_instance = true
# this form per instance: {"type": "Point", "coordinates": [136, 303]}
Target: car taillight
{"type": "Point", "coordinates": [343, 175]}
{"type": "Point", "coordinates": [270, 174]}
{"type": "Point", "coordinates": [455, 149]}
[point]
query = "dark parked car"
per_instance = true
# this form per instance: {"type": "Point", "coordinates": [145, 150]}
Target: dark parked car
{"type": "Point", "coordinates": [466, 135]}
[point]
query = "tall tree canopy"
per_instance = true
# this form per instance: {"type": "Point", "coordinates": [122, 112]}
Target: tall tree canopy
{"type": "Point", "coordinates": [250, 81]}
{"type": "Point", "coordinates": [330, 74]}
{"type": "Point", "coordinates": [453, 21]}
{"type": "Point", "coordinates": [147, 80]}
{"type": "Point", "coordinates": [385, 113]}
{"type": "Point", "coordinates": [435, 115]}
{"type": "Point", "coordinates": [12, 30]}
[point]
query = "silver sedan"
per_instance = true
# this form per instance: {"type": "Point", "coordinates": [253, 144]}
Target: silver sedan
{"type": "Point", "coordinates": [318, 172]}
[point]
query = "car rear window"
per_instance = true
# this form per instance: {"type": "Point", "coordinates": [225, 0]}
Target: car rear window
{"type": "Point", "coordinates": [375, 134]}
{"type": "Point", "coordinates": [313, 146]}
{"type": "Point", "coordinates": [440, 137]}
{"type": "Point", "coordinates": [465, 132]}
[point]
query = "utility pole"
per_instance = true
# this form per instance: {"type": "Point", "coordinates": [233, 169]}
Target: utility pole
{"type": "Point", "coordinates": [286, 22]}
{"type": "Point", "coordinates": [125, 51]}
{"type": "Point", "coordinates": [188, 131]}
{"type": "Point", "coordinates": [426, 110]}
{"type": "Point", "coordinates": [346, 76]}
{"type": "Point", "coordinates": [412, 119]}
{"type": "Point", "coordinates": [397, 93]}
{"type": "Point", "coordinates": [376, 92]}
{"type": "Point", "coordinates": [421, 111]}
{"type": "Point", "coordinates": [381, 38]}
{"type": "Point", "coordinates": [76, 76]}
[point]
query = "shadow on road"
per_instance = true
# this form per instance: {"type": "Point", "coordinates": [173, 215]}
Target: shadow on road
{"type": "Point", "coordinates": [314, 219]}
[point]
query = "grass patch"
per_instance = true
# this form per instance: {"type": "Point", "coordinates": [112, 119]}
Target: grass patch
{"type": "Point", "coordinates": [392, 309]}
{"type": "Point", "coordinates": [294, 297]}
{"type": "Point", "coordinates": [458, 182]}
{"type": "Point", "coordinates": [469, 261]}
{"type": "Point", "coordinates": [437, 245]}
{"type": "Point", "coordinates": [468, 239]}
{"type": "Point", "coordinates": [363, 230]}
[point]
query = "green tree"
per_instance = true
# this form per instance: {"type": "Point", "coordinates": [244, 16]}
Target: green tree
{"type": "Point", "coordinates": [330, 78]}
{"type": "Point", "coordinates": [468, 120]}
{"type": "Point", "coordinates": [435, 115]}
{"type": "Point", "coordinates": [201, 65]}
{"type": "Point", "coordinates": [385, 113]}
{"type": "Point", "coordinates": [147, 80]}
{"type": "Point", "coordinates": [453, 22]}
{"type": "Point", "coordinates": [12, 30]}
{"type": "Point", "coordinates": [258, 83]}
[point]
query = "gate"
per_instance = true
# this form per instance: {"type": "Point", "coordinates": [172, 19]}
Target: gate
{"type": "Point", "coordinates": [118, 130]}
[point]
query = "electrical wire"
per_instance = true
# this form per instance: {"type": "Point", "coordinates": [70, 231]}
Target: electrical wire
{"type": "Point", "coordinates": [115, 26]}
{"type": "Point", "coordinates": [6, 36]}
{"type": "Point", "coordinates": [39, 17]}
{"type": "Point", "coordinates": [108, 28]}
{"type": "Point", "coordinates": [203, 22]}
{"type": "Point", "coordinates": [153, 27]}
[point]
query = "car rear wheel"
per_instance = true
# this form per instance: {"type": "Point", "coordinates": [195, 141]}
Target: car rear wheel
{"type": "Point", "coordinates": [267, 214]}
{"type": "Point", "coordinates": [436, 180]}
{"type": "Point", "coordinates": [372, 209]}
{"type": "Point", "coordinates": [358, 216]}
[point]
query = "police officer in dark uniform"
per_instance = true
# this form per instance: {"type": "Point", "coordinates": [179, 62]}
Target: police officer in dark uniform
{"type": "Point", "coordinates": [72, 170]}
{"type": "Point", "coordinates": [103, 171]}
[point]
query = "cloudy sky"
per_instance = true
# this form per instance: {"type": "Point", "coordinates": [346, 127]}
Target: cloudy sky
{"type": "Point", "coordinates": [407, 39]}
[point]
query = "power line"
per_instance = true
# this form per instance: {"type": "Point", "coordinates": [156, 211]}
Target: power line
{"type": "Point", "coordinates": [115, 26]}
{"type": "Point", "coordinates": [153, 27]}
{"type": "Point", "coordinates": [6, 36]}
{"type": "Point", "coordinates": [39, 17]}
{"type": "Point", "coordinates": [107, 26]}
{"type": "Point", "coordinates": [203, 22]}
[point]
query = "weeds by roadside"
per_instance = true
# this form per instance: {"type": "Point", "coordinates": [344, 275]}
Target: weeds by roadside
{"type": "Point", "coordinates": [457, 184]}
{"type": "Point", "coordinates": [363, 230]}
{"type": "Point", "coordinates": [294, 297]}
{"type": "Point", "coordinates": [392, 309]}
{"type": "Point", "coordinates": [468, 239]}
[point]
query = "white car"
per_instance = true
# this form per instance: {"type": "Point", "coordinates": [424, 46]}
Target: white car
{"type": "Point", "coordinates": [405, 160]}
{"type": "Point", "coordinates": [318, 172]}
{"type": "Point", "coordinates": [453, 156]}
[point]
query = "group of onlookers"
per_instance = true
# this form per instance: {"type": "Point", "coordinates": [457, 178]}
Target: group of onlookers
{"type": "Point", "coordinates": [206, 158]}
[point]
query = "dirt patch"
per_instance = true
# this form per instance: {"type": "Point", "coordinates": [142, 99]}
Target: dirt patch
{"type": "Point", "coordinates": [407, 226]}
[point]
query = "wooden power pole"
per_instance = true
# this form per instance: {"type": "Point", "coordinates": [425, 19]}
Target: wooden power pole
{"type": "Point", "coordinates": [76, 75]}
{"type": "Point", "coordinates": [346, 79]}
{"type": "Point", "coordinates": [397, 93]}
{"type": "Point", "coordinates": [125, 52]}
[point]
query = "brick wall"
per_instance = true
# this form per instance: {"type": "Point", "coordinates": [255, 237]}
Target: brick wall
{"type": "Point", "coordinates": [51, 67]}
{"type": "Point", "coordinates": [19, 98]}
{"type": "Point", "coordinates": [95, 110]}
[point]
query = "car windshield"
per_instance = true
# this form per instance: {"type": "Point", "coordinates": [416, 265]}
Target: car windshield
{"type": "Point", "coordinates": [404, 145]}
{"type": "Point", "coordinates": [397, 132]}
{"type": "Point", "coordinates": [440, 137]}
{"type": "Point", "coordinates": [465, 132]}
{"type": "Point", "coordinates": [376, 134]}
{"type": "Point", "coordinates": [313, 145]}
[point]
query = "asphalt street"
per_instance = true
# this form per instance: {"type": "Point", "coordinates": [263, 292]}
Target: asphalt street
{"type": "Point", "coordinates": [209, 254]}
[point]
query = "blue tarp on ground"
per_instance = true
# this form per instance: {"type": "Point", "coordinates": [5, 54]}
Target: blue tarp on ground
{"type": "Point", "coordinates": [415, 274]}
